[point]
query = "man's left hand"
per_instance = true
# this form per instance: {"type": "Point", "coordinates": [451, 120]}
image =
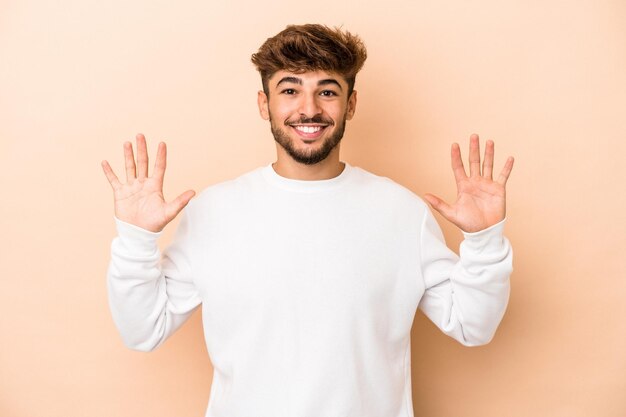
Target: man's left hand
{"type": "Point", "coordinates": [481, 201]}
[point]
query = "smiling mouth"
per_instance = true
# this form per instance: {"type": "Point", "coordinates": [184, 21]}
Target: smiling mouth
{"type": "Point", "coordinates": [308, 129]}
{"type": "Point", "coordinates": [309, 132]}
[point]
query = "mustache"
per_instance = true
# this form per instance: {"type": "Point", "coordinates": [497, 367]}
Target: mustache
{"type": "Point", "coordinates": [308, 120]}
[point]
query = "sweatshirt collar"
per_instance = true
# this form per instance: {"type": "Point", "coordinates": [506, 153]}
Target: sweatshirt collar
{"type": "Point", "coordinates": [303, 185]}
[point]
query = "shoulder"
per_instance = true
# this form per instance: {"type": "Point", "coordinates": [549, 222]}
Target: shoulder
{"type": "Point", "coordinates": [233, 186]}
{"type": "Point", "coordinates": [226, 194]}
{"type": "Point", "coordinates": [386, 189]}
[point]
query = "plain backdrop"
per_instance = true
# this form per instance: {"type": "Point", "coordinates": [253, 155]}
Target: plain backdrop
{"type": "Point", "coordinates": [546, 80]}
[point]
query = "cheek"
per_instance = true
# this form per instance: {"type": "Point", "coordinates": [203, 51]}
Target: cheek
{"type": "Point", "coordinates": [339, 112]}
{"type": "Point", "coordinates": [280, 111]}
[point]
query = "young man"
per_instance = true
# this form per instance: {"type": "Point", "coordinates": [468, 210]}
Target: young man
{"type": "Point", "coordinates": [309, 270]}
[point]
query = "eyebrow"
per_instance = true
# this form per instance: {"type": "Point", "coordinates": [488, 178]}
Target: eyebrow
{"type": "Point", "coordinates": [298, 81]}
{"type": "Point", "coordinates": [330, 81]}
{"type": "Point", "coordinates": [294, 80]}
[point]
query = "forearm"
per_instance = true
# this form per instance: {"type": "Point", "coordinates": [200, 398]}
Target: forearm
{"type": "Point", "coordinates": [469, 303]}
{"type": "Point", "coordinates": [138, 299]}
{"type": "Point", "coordinates": [480, 283]}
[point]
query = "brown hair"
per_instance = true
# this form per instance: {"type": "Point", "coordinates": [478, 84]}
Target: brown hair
{"type": "Point", "coordinates": [303, 48]}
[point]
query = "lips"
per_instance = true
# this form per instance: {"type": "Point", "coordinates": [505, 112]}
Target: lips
{"type": "Point", "coordinates": [308, 129]}
{"type": "Point", "coordinates": [308, 132]}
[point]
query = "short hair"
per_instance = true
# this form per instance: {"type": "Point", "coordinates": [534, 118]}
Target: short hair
{"type": "Point", "coordinates": [311, 47]}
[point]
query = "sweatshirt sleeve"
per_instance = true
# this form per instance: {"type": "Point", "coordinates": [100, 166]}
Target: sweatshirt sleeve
{"type": "Point", "coordinates": [465, 297]}
{"type": "Point", "coordinates": [150, 297]}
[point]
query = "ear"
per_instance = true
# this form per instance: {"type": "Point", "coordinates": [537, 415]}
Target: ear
{"type": "Point", "coordinates": [351, 105]}
{"type": "Point", "coordinates": [263, 104]}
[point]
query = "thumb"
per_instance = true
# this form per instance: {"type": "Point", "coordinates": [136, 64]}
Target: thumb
{"type": "Point", "coordinates": [441, 206]}
{"type": "Point", "coordinates": [174, 207]}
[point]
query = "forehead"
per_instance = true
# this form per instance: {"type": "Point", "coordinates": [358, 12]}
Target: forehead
{"type": "Point", "coordinates": [309, 78]}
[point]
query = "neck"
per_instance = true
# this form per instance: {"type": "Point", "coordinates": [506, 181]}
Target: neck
{"type": "Point", "coordinates": [329, 168]}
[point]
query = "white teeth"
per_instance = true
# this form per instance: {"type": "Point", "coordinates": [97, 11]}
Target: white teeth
{"type": "Point", "coordinates": [308, 129]}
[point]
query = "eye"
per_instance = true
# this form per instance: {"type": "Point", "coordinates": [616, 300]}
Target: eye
{"type": "Point", "coordinates": [328, 93]}
{"type": "Point", "coordinates": [288, 91]}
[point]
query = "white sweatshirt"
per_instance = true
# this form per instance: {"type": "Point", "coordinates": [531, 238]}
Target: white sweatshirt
{"type": "Point", "coordinates": [308, 291]}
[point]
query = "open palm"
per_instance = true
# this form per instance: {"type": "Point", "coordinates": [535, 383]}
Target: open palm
{"type": "Point", "coordinates": [140, 200]}
{"type": "Point", "coordinates": [481, 200]}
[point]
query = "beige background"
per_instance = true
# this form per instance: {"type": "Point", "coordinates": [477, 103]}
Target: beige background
{"type": "Point", "coordinates": [545, 79]}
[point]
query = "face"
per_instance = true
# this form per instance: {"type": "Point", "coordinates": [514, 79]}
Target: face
{"type": "Point", "coordinates": [307, 113]}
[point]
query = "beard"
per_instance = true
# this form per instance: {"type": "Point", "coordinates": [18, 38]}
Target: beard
{"type": "Point", "coordinates": [308, 156]}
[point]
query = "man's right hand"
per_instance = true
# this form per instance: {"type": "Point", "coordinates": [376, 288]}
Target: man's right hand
{"type": "Point", "coordinates": [140, 200]}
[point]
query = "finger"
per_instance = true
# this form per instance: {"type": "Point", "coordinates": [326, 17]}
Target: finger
{"type": "Point", "coordinates": [174, 207]}
{"type": "Point", "coordinates": [142, 157]}
{"type": "Point", "coordinates": [474, 156]}
{"type": "Point", "coordinates": [457, 163]}
{"type": "Point", "coordinates": [129, 160]}
{"type": "Point", "coordinates": [441, 206]}
{"type": "Point", "coordinates": [488, 161]}
{"type": "Point", "coordinates": [113, 180]}
{"type": "Point", "coordinates": [506, 171]}
{"type": "Point", "coordinates": [160, 162]}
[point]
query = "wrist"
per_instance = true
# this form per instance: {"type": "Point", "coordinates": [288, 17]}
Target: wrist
{"type": "Point", "coordinates": [497, 228]}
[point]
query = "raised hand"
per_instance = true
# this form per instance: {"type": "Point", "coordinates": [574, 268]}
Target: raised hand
{"type": "Point", "coordinates": [481, 201]}
{"type": "Point", "coordinates": [140, 200]}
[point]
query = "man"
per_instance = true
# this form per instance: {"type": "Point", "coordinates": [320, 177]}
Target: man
{"type": "Point", "coordinates": [309, 270]}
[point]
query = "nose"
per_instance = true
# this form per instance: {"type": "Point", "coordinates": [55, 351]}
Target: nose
{"type": "Point", "coordinates": [309, 105]}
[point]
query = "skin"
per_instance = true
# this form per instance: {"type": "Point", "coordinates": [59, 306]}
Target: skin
{"type": "Point", "coordinates": [312, 95]}
{"type": "Point", "coordinates": [140, 200]}
{"type": "Point", "coordinates": [481, 200]}
{"type": "Point", "coordinates": [322, 97]}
